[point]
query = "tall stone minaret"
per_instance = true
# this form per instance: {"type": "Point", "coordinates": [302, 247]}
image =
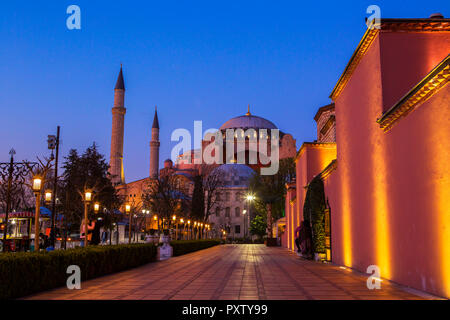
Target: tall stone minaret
{"type": "Point", "coordinates": [118, 117]}
{"type": "Point", "coordinates": [154, 148]}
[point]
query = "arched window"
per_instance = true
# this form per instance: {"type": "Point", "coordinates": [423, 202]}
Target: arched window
{"type": "Point", "coordinates": [237, 212]}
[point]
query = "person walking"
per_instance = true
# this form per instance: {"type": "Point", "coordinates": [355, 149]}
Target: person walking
{"type": "Point", "coordinates": [297, 237]}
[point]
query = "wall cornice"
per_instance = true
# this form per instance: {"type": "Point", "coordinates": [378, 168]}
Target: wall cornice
{"type": "Point", "coordinates": [423, 91]}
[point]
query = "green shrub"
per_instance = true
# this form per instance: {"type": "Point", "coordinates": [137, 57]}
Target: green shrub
{"type": "Point", "coordinates": [24, 273]}
{"type": "Point", "coordinates": [181, 247]}
{"type": "Point", "coordinates": [314, 211]}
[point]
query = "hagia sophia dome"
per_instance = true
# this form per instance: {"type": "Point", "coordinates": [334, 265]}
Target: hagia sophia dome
{"type": "Point", "coordinates": [248, 121]}
{"type": "Point", "coordinates": [235, 174]}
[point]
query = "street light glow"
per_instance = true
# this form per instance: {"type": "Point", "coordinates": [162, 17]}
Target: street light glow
{"type": "Point", "coordinates": [48, 196]}
{"type": "Point", "coordinates": [37, 182]}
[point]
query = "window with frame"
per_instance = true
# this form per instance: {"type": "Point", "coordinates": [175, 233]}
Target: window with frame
{"type": "Point", "coordinates": [227, 212]}
{"type": "Point", "coordinates": [237, 229]}
{"type": "Point", "coordinates": [217, 212]}
{"type": "Point", "coordinates": [237, 212]}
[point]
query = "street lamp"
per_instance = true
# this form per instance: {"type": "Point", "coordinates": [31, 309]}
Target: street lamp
{"type": "Point", "coordinates": [249, 198]}
{"type": "Point", "coordinates": [87, 200]}
{"type": "Point", "coordinates": [128, 212]}
{"type": "Point", "coordinates": [96, 207]}
{"type": "Point", "coordinates": [189, 230]}
{"type": "Point", "coordinates": [244, 212]}
{"type": "Point", "coordinates": [201, 231]}
{"type": "Point", "coordinates": [182, 230]}
{"type": "Point", "coordinates": [37, 186]}
{"type": "Point", "coordinates": [48, 196]}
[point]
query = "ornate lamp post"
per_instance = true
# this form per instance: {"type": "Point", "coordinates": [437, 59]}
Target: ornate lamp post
{"type": "Point", "coordinates": [193, 230]}
{"type": "Point", "coordinates": [87, 199]}
{"type": "Point", "coordinates": [155, 218]}
{"type": "Point", "coordinates": [249, 198]}
{"type": "Point", "coordinates": [189, 230]}
{"type": "Point", "coordinates": [245, 231]}
{"type": "Point", "coordinates": [182, 230]}
{"type": "Point", "coordinates": [174, 218]}
{"type": "Point", "coordinates": [37, 188]}
{"type": "Point", "coordinates": [128, 211]}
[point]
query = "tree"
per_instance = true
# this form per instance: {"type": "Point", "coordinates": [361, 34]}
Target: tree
{"type": "Point", "coordinates": [212, 183]}
{"type": "Point", "coordinates": [88, 171]}
{"type": "Point", "coordinates": [207, 186]}
{"type": "Point", "coordinates": [258, 226]}
{"type": "Point", "coordinates": [270, 191]}
{"type": "Point", "coordinates": [198, 198]}
{"type": "Point", "coordinates": [166, 196]}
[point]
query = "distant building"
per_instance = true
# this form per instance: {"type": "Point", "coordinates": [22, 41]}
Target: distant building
{"type": "Point", "coordinates": [232, 211]}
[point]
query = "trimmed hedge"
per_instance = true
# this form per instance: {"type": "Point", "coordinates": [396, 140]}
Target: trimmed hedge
{"type": "Point", "coordinates": [24, 273]}
{"type": "Point", "coordinates": [181, 247]}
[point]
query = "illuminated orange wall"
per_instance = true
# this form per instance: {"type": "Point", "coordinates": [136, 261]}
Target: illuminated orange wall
{"type": "Point", "coordinates": [389, 196]}
{"type": "Point", "coordinates": [290, 210]}
{"type": "Point", "coordinates": [313, 158]}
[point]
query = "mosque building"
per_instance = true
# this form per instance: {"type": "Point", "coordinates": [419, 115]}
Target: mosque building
{"type": "Point", "coordinates": [185, 167]}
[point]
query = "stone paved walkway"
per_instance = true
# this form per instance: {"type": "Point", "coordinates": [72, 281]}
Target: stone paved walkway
{"type": "Point", "coordinates": [232, 272]}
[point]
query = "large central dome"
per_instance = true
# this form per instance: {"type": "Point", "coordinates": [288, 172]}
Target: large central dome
{"type": "Point", "coordinates": [248, 121]}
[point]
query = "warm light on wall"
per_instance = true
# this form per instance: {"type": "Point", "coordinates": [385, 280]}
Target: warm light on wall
{"type": "Point", "coordinates": [381, 210]}
{"type": "Point", "coordinates": [439, 141]}
{"type": "Point", "coordinates": [346, 214]}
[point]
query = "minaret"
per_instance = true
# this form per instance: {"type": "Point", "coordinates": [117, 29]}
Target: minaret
{"type": "Point", "coordinates": [118, 117]}
{"type": "Point", "coordinates": [154, 148]}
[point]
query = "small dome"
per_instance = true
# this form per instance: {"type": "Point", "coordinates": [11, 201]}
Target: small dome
{"type": "Point", "coordinates": [235, 174]}
{"type": "Point", "coordinates": [248, 121]}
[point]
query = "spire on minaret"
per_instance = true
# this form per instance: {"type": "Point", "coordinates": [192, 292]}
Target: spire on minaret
{"type": "Point", "coordinates": [248, 111]}
{"type": "Point", "coordinates": [117, 134]}
{"type": "Point", "coordinates": [120, 84]}
{"type": "Point", "coordinates": [155, 120]}
{"type": "Point", "coordinates": [154, 148]}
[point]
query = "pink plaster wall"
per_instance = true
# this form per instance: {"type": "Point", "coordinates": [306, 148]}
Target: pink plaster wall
{"type": "Point", "coordinates": [311, 162]}
{"type": "Point", "coordinates": [406, 59]}
{"type": "Point", "coordinates": [387, 184]}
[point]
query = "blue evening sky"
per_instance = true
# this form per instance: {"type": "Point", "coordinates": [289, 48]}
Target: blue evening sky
{"type": "Point", "coordinates": [196, 60]}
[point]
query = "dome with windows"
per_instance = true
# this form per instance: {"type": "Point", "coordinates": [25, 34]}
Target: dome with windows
{"type": "Point", "coordinates": [248, 121]}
